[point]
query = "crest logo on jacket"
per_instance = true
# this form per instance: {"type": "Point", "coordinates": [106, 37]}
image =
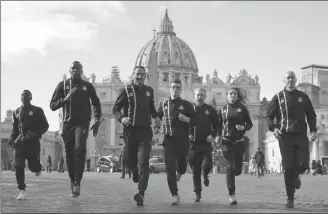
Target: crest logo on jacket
{"type": "Point", "coordinates": [207, 112]}
{"type": "Point", "coordinates": [300, 99]}
{"type": "Point", "coordinates": [30, 113]}
{"type": "Point", "coordinates": [84, 88]}
{"type": "Point", "coordinates": [147, 93]}
{"type": "Point", "coordinates": [181, 107]}
{"type": "Point", "coordinates": [239, 110]}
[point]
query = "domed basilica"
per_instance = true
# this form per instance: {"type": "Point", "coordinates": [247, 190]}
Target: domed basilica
{"type": "Point", "coordinates": [173, 59]}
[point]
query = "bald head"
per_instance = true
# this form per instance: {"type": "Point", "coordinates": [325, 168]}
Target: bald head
{"type": "Point", "coordinates": [76, 70]}
{"type": "Point", "coordinates": [290, 80]}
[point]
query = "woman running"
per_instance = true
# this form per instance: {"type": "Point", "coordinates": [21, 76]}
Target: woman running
{"type": "Point", "coordinates": [234, 121]}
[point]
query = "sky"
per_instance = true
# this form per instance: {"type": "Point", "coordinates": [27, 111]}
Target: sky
{"type": "Point", "coordinates": [39, 41]}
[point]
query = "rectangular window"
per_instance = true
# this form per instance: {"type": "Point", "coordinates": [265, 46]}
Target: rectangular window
{"type": "Point", "coordinates": [166, 77]}
{"type": "Point", "coordinates": [219, 96]}
{"type": "Point", "coordinates": [103, 95]}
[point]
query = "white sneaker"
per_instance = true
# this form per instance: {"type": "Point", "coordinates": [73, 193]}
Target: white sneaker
{"type": "Point", "coordinates": [38, 173]}
{"type": "Point", "coordinates": [233, 200]}
{"type": "Point", "coordinates": [21, 195]}
{"type": "Point", "coordinates": [175, 200]}
{"type": "Point", "coordinates": [178, 176]}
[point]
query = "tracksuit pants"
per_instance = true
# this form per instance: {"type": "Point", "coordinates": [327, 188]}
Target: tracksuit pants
{"type": "Point", "coordinates": [294, 149]}
{"type": "Point", "coordinates": [138, 147]}
{"type": "Point", "coordinates": [29, 151]}
{"type": "Point", "coordinates": [175, 155]}
{"type": "Point", "coordinates": [75, 138]}
{"type": "Point", "coordinates": [200, 161]}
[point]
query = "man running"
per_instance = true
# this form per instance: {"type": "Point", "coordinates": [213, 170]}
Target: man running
{"type": "Point", "coordinates": [203, 132]}
{"type": "Point", "coordinates": [137, 102]}
{"type": "Point", "coordinates": [29, 125]}
{"type": "Point", "coordinates": [290, 107]}
{"type": "Point", "coordinates": [73, 96]}
{"type": "Point", "coordinates": [177, 114]}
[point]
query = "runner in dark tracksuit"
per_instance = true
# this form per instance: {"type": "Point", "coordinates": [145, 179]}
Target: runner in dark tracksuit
{"type": "Point", "coordinates": [234, 121]}
{"type": "Point", "coordinates": [73, 96]}
{"type": "Point", "coordinates": [290, 108]}
{"type": "Point", "coordinates": [203, 132]}
{"type": "Point", "coordinates": [29, 125]}
{"type": "Point", "coordinates": [137, 102]}
{"type": "Point", "coordinates": [177, 115]}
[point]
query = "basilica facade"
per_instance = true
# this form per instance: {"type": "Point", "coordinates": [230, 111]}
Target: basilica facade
{"type": "Point", "coordinates": [173, 59]}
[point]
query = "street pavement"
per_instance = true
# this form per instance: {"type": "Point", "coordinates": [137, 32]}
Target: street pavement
{"type": "Point", "coordinates": [106, 192]}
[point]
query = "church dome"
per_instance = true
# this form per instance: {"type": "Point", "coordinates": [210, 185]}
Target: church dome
{"type": "Point", "coordinates": [174, 55]}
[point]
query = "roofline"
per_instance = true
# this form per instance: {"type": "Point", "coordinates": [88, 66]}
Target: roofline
{"type": "Point", "coordinates": [316, 66]}
{"type": "Point", "coordinates": [307, 84]}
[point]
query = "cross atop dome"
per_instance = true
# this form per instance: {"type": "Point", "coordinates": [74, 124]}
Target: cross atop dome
{"type": "Point", "coordinates": [166, 26]}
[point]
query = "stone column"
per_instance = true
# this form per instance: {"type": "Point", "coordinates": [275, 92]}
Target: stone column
{"type": "Point", "coordinates": [112, 131]}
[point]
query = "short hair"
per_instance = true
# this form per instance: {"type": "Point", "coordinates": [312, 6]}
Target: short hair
{"type": "Point", "coordinates": [27, 91]}
{"type": "Point", "coordinates": [139, 66]}
{"type": "Point", "coordinates": [178, 81]}
{"type": "Point", "coordinates": [77, 62]}
{"type": "Point", "coordinates": [199, 89]}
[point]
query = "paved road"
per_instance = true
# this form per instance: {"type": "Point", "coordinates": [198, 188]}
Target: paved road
{"type": "Point", "coordinates": [105, 192]}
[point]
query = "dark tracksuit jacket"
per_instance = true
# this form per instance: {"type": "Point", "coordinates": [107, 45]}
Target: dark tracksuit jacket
{"type": "Point", "coordinates": [205, 123]}
{"type": "Point", "coordinates": [27, 119]}
{"type": "Point", "coordinates": [78, 109]}
{"type": "Point", "coordinates": [137, 104]}
{"type": "Point", "coordinates": [231, 115]}
{"type": "Point", "coordinates": [291, 110]}
{"type": "Point", "coordinates": [169, 111]}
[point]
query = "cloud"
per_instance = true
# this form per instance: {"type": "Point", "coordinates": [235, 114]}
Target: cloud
{"type": "Point", "coordinates": [33, 25]}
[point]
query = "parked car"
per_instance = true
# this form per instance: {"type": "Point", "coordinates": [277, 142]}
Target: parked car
{"type": "Point", "coordinates": [157, 164]}
{"type": "Point", "coordinates": [109, 164]}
